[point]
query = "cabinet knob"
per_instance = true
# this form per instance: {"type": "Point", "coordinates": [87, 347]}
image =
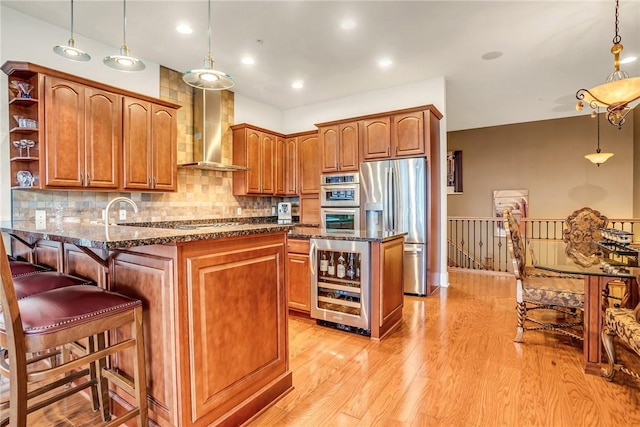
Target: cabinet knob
{"type": "Point", "coordinates": [154, 180]}
{"type": "Point", "coordinates": [81, 179]}
{"type": "Point", "coordinates": [88, 180]}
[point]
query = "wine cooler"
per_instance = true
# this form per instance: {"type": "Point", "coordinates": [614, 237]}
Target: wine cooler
{"type": "Point", "coordinates": [340, 283]}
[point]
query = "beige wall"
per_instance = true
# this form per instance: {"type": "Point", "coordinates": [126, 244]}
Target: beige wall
{"type": "Point", "coordinates": [547, 158]}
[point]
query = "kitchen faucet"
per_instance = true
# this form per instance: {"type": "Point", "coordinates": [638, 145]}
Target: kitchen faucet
{"type": "Point", "coordinates": [111, 202]}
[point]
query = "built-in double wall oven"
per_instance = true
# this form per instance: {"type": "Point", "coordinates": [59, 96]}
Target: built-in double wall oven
{"type": "Point", "coordinates": [340, 201]}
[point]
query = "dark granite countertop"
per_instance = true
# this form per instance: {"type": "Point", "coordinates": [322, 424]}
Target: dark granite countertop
{"type": "Point", "coordinates": [142, 234]}
{"type": "Point", "coordinates": [357, 235]}
{"type": "Point", "coordinates": [122, 236]}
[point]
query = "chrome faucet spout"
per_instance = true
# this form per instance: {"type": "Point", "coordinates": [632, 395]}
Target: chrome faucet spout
{"type": "Point", "coordinates": [111, 202]}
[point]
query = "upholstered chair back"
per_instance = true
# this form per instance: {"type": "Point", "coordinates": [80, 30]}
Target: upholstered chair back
{"type": "Point", "coordinates": [582, 233]}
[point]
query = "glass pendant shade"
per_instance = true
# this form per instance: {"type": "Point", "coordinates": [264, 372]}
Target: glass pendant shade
{"type": "Point", "coordinates": [124, 61]}
{"type": "Point", "coordinates": [70, 51]}
{"type": "Point", "coordinates": [207, 78]}
{"type": "Point", "coordinates": [598, 157]}
{"type": "Point", "coordinates": [619, 91]}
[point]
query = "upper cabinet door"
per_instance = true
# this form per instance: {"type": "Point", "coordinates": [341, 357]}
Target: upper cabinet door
{"type": "Point", "coordinates": [349, 147]}
{"type": "Point", "coordinates": [291, 166]}
{"type": "Point", "coordinates": [407, 135]}
{"type": "Point", "coordinates": [329, 148]}
{"type": "Point", "coordinates": [163, 148]}
{"type": "Point", "coordinates": [254, 174]}
{"type": "Point", "coordinates": [64, 133]}
{"type": "Point", "coordinates": [280, 159]}
{"type": "Point", "coordinates": [376, 138]}
{"type": "Point", "coordinates": [309, 151]}
{"type": "Point", "coordinates": [103, 138]}
{"type": "Point", "coordinates": [137, 147]}
{"type": "Point", "coordinates": [268, 170]}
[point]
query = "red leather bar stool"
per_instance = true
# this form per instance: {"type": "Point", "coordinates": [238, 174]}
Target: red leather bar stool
{"type": "Point", "coordinates": [54, 318]}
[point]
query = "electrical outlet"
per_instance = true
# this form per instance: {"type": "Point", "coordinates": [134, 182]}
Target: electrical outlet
{"type": "Point", "coordinates": [41, 220]}
{"type": "Point", "coordinates": [238, 211]}
{"type": "Point", "coordinates": [104, 215]}
{"type": "Point", "coordinates": [273, 210]}
{"type": "Point", "coordinates": [123, 214]}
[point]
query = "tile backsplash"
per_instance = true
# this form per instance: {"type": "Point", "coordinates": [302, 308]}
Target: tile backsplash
{"type": "Point", "coordinates": [201, 193]}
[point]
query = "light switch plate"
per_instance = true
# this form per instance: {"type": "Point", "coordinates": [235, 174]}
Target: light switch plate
{"type": "Point", "coordinates": [239, 211]}
{"type": "Point", "coordinates": [41, 219]}
{"type": "Point", "coordinates": [123, 214]}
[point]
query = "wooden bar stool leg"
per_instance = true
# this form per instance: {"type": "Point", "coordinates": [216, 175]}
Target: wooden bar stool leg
{"type": "Point", "coordinates": [93, 376]}
{"type": "Point", "coordinates": [139, 373]}
{"type": "Point", "coordinates": [103, 384]}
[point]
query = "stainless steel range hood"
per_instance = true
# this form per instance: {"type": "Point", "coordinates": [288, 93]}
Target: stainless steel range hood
{"type": "Point", "coordinates": [207, 132]}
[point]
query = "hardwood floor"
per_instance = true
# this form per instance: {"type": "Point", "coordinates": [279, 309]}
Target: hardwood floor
{"type": "Point", "coordinates": [453, 362]}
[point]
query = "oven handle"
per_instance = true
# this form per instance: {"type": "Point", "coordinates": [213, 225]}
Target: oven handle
{"type": "Point", "coordinates": [312, 257]}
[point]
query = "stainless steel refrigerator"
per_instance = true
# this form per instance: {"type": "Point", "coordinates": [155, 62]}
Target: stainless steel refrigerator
{"type": "Point", "coordinates": [394, 198]}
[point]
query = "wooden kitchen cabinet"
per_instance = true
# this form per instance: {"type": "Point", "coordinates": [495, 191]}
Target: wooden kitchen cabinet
{"type": "Point", "coordinates": [286, 166]}
{"type": "Point", "coordinates": [298, 279]}
{"type": "Point", "coordinates": [387, 292]}
{"type": "Point", "coordinates": [339, 149]}
{"type": "Point", "coordinates": [254, 148]}
{"type": "Point", "coordinates": [149, 141]}
{"type": "Point", "coordinates": [86, 136]}
{"type": "Point", "coordinates": [83, 135]}
{"type": "Point", "coordinates": [402, 133]}
{"type": "Point", "coordinates": [308, 165]}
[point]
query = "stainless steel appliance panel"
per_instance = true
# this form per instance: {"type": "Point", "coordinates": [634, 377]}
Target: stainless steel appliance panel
{"type": "Point", "coordinates": [394, 199]}
{"type": "Point", "coordinates": [340, 295]}
{"type": "Point", "coordinates": [415, 268]}
{"type": "Point", "coordinates": [340, 218]}
{"type": "Point", "coordinates": [340, 195]}
{"type": "Point", "coordinates": [411, 195]}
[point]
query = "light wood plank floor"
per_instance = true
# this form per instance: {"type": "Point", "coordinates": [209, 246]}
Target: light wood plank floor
{"type": "Point", "coordinates": [453, 362]}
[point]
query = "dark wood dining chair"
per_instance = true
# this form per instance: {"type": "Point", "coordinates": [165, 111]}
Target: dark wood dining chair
{"type": "Point", "coordinates": [535, 291]}
{"type": "Point", "coordinates": [42, 322]}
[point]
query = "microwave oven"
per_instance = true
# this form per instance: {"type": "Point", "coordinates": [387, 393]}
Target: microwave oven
{"type": "Point", "coordinates": [340, 190]}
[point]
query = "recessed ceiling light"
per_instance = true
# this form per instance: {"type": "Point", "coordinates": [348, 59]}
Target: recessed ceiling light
{"type": "Point", "coordinates": [184, 29]}
{"type": "Point", "coordinates": [385, 62]}
{"type": "Point", "coordinates": [298, 84]}
{"type": "Point", "coordinates": [248, 60]}
{"type": "Point", "coordinates": [348, 24]}
{"type": "Point", "coordinates": [628, 60]}
{"type": "Point", "coordinates": [492, 55]}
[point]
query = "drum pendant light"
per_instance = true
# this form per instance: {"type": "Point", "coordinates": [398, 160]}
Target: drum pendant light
{"type": "Point", "coordinates": [70, 51]}
{"type": "Point", "coordinates": [124, 61]}
{"type": "Point", "coordinates": [207, 78]}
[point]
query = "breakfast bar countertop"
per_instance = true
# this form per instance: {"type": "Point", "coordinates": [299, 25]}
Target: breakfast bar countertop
{"type": "Point", "coordinates": [125, 236]}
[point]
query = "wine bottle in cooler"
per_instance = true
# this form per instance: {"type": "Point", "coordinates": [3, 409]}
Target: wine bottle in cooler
{"type": "Point", "coordinates": [331, 268]}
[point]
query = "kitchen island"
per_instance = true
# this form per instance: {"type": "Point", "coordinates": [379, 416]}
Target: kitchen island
{"type": "Point", "coordinates": [215, 305]}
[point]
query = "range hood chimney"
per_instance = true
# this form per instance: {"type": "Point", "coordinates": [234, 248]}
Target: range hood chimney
{"type": "Point", "coordinates": [207, 132]}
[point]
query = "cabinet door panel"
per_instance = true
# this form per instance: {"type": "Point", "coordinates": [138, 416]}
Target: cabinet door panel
{"type": "Point", "coordinates": [309, 166]}
{"type": "Point", "coordinates": [254, 139]}
{"type": "Point", "coordinates": [103, 136]}
{"type": "Point", "coordinates": [376, 138]}
{"type": "Point", "coordinates": [137, 153]}
{"type": "Point", "coordinates": [407, 136]}
{"type": "Point", "coordinates": [64, 133]}
{"type": "Point", "coordinates": [163, 148]}
{"type": "Point", "coordinates": [349, 147]}
{"type": "Point", "coordinates": [291, 166]}
{"type": "Point", "coordinates": [298, 282]}
{"type": "Point", "coordinates": [267, 148]}
{"type": "Point", "coordinates": [280, 160]}
{"type": "Point", "coordinates": [329, 148]}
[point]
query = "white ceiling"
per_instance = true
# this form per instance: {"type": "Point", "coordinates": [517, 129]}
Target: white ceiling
{"type": "Point", "coordinates": [550, 48]}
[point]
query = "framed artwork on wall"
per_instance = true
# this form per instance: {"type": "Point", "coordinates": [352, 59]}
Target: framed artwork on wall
{"type": "Point", "coordinates": [516, 200]}
{"type": "Point", "coordinates": [454, 172]}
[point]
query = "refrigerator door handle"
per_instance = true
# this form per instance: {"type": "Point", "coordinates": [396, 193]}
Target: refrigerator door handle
{"type": "Point", "coordinates": [413, 250]}
{"type": "Point", "coordinates": [394, 195]}
{"type": "Point", "coordinates": [387, 199]}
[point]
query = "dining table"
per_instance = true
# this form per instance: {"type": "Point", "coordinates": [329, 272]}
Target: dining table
{"type": "Point", "coordinates": [551, 255]}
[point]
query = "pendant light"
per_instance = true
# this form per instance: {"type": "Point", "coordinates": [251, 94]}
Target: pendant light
{"type": "Point", "coordinates": [598, 157]}
{"type": "Point", "coordinates": [207, 78]}
{"type": "Point", "coordinates": [618, 92]}
{"type": "Point", "coordinates": [70, 51]}
{"type": "Point", "coordinates": [124, 61]}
